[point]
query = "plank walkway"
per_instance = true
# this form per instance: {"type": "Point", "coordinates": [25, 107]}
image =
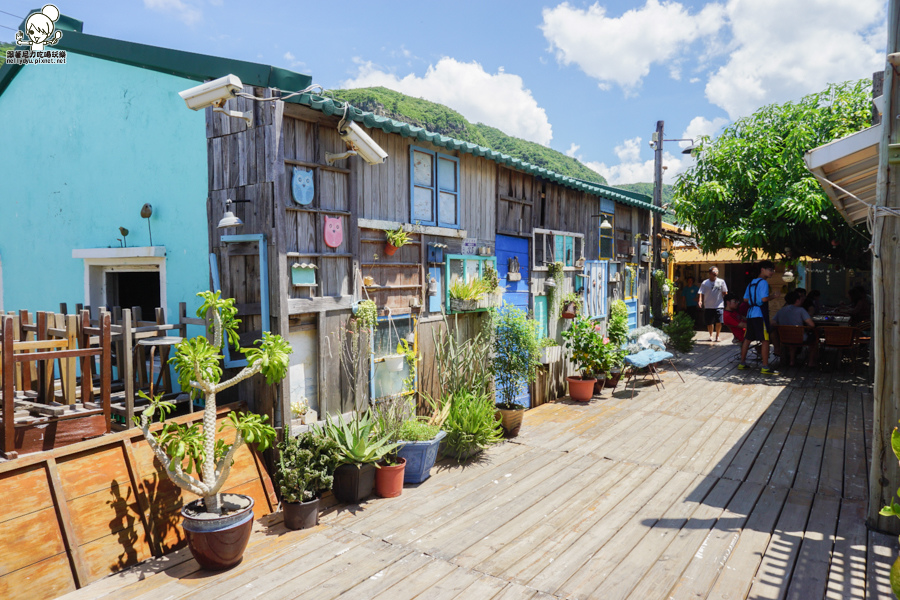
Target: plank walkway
{"type": "Point", "coordinates": [729, 485]}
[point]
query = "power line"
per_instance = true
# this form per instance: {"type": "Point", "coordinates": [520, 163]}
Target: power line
{"type": "Point", "coordinates": [10, 28]}
{"type": "Point", "coordinates": [10, 14]}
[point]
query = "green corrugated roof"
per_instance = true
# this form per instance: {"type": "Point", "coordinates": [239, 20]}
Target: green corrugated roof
{"type": "Point", "coordinates": [386, 124]}
{"type": "Point", "coordinates": [202, 67]}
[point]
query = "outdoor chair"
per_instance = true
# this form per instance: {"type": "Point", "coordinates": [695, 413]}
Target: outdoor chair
{"type": "Point", "coordinates": [792, 337]}
{"type": "Point", "coordinates": [647, 360]}
{"type": "Point", "coordinates": [839, 339]}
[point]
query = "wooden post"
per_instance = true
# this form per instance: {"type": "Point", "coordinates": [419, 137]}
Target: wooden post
{"type": "Point", "coordinates": [9, 391]}
{"type": "Point", "coordinates": [127, 366]}
{"type": "Point", "coordinates": [69, 371]}
{"type": "Point", "coordinates": [884, 477]}
{"type": "Point", "coordinates": [84, 341]}
{"type": "Point", "coordinates": [106, 368]}
{"type": "Point", "coordinates": [44, 367]}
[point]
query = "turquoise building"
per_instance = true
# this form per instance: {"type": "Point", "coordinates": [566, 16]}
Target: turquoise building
{"type": "Point", "coordinates": [89, 143]}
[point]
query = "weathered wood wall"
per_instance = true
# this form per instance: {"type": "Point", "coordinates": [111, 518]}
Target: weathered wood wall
{"type": "Point", "coordinates": [77, 514]}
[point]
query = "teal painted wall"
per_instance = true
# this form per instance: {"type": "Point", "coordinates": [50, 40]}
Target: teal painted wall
{"type": "Point", "coordinates": [87, 144]}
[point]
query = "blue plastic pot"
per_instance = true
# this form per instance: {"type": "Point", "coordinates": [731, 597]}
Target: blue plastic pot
{"type": "Point", "coordinates": [420, 457]}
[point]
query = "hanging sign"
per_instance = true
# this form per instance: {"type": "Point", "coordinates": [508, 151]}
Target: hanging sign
{"type": "Point", "coordinates": [469, 246]}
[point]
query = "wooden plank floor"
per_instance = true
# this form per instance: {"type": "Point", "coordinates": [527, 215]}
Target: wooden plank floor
{"type": "Point", "coordinates": [727, 485]}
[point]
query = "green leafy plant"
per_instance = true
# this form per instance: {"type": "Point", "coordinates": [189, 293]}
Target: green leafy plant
{"type": "Point", "coordinates": [463, 363]}
{"type": "Point", "coordinates": [471, 425]}
{"type": "Point", "coordinates": [470, 290]}
{"type": "Point", "coordinates": [547, 342]}
{"type": "Point", "coordinates": [750, 188]}
{"type": "Point", "coordinates": [389, 415]}
{"type": "Point", "coordinates": [516, 353]}
{"type": "Point", "coordinates": [306, 466]}
{"type": "Point", "coordinates": [397, 237]}
{"type": "Point", "coordinates": [556, 272]}
{"type": "Point", "coordinates": [184, 449]}
{"type": "Point", "coordinates": [681, 332]}
{"type": "Point", "coordinates": [593, 355]}
{"type": "Point", "coordinates": [491, 278]}
{"type": "Point", "coordinates": [367, 314]}
{"type": "Point", "coordinates": [417, 430]}
{"type": "Point", "coordinates": [357, 438]}
{"type": "Point", "coordinates": [412, 359]}
{"type": "Point", "coordinates": [893, 510]}
{"type": "Point", "coordinates": [574, 298]}
{"type": "Point", "coordinates": [617, 328]}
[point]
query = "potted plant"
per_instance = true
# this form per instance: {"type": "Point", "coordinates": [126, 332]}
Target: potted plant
{"type": "Point", "coordinates": [366, 313]}
{"type": "Point", "coordinates": [389, 476]}
{"type": "Point", "coordinates": [516, 352]}
{"type": "Point", "coordinates": [471, 425]}
{"type": "Point", "coordinates": [418, 445]}
{"type": "Point", "coordinates": [406, 354]}
{"type": "Point", "coordinates": [305, 469]}
{"type": "Point", "coordinates": [217, 525]}
{"type": "Point", "coordinates": [554, 285]}
{"type": "Point", "coordinates": [571, 303]}
{"type": "Point", "coordinates": [586, 349]}
{"type": "Point", "coordinates": [464, 295]}
{"type": "Point", "coordinates": [396, 238]}
{"type": "Point", "coordinates": [549, 350]}
{"type": "Point", "coordinates": [361, 446]}
{"type": "Point", "coordinates": [617, 328]}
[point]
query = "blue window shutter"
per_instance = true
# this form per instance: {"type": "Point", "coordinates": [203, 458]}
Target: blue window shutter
{"type": "Point", "coordinates": [422, 193]}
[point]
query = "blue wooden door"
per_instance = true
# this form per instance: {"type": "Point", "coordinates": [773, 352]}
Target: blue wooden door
{"type": "Point", "coordinates": [595, 293]}
{"type": "Point", "coordinates": [517, 293]}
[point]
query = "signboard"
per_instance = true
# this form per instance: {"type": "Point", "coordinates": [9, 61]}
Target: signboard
{"type": "Point", "coordinates": [469, 246]}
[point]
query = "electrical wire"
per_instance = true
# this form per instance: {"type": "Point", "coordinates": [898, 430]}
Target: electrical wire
{"type": "Point", "coordinates": [10, 14]}
{"type": "Point", "coordinates": [308, 90]}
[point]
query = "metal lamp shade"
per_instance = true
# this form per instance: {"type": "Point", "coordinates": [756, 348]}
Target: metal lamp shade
{"type": "Point", "coordinates": [229, 220]}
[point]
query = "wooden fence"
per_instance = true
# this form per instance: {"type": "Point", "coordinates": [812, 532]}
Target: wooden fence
{"type": "Point", "coordinates": [76, 514]}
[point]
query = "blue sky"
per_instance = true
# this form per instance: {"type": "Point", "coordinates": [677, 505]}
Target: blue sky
{"type": "Point", "coordinates": [586, 78]}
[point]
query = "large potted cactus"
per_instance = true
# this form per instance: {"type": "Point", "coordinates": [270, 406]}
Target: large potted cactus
{"type": "Point", "coordinates": [217, 525]}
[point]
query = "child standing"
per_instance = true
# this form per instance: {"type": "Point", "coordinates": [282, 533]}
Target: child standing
{"type": "Point", "coordinates": [758, 328]}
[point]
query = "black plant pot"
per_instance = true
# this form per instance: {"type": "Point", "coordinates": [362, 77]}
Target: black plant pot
{"type": "Point", "coordinates": [353, 482]}
{"type": "Point", "coordinates": [301, 515]}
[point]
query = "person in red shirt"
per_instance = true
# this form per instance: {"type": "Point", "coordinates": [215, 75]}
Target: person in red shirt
{"type": "Point", "coordinates": [734, 318]}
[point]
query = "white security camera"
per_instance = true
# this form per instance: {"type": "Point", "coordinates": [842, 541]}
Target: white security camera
{"type": "Point", "coordinates": [365, 146]}
{"type": "Point", "coordinates": [215, 93]}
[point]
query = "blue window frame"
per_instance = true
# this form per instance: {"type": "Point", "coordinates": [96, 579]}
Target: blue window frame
{"type": "Point", "coordinates": [434, 188]}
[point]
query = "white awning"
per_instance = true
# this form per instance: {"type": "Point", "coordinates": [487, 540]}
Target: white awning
{"type": "Point", "coordinates": [846, 168]}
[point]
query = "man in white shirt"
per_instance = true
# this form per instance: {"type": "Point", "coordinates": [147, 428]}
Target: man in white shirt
{"type": "Point", "coordinates": [712, 299]}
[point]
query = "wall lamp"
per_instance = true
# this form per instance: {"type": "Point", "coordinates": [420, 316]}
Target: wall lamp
{"type": "Point", "coordinates": [228, 219]}
{"type": "Point", "coordinates": [604, 224]}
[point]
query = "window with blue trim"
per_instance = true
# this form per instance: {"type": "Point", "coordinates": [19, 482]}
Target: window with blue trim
{"type": "Point", "coordinates": [434, 188]}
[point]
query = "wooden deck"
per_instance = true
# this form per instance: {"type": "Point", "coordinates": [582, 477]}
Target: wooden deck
{"type": "Point", "coordinates": [730, 485]}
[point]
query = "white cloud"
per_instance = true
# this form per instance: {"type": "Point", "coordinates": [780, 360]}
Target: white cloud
{"type": "Point", "coordinates": [784, 49]}
{"type": "Point", "coordinates": [499, 100]}
{"type": "Point", "coordinates": [185, 13]}
{"type": "Point", "coordinates": [631, 169]}
{"type": "Point", "coordinates": [292, 60]}
{"type": "Point", "coordinates": [621, 50]}
{"type": "Point", "coordinates": [573, 149]}
{"type": "Point", "coordinates": [700, 126]}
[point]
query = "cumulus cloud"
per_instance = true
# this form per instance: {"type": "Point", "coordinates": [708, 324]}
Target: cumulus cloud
{"type": "Point", "coordinates": [292, 60]}
{"type": "Point", "coordinates": [187, 14]}
{"type": "Point", "coordinates": [700, 126]}
{"type": "Point", "coordinates": [632, 169]}
{"type": "Point", "coordinates": [500, 100]}
{"type": "Point", "coordinates": [784, 49]}
{"type": "Point", "coordinates": [573, 150]}
{"type": "Point", "coordinates": [620, 50]}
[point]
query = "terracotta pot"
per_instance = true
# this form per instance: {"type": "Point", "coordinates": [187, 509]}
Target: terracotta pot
{"type": "Point", "coordinates": [301, 515]}
{"type": "Point", "coordinates": [598, 386]}
{"type": "Point", "coordinates": [353, 482]}
{"type": "Point", "coordinates": [570, 310]}
{"type": "Point", "coordinates": [511, 420]}
{"type": "Point", "coordinates": [389, 479]}
{"type": "Point", "coordinates": [580, 389]}
{"type": "Point", "coordinates": [390, 249]}
{"type": "Point", "coordinates": [218, 543]}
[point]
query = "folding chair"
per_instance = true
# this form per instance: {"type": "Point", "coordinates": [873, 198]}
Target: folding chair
{"type": "Point", "coordinates": [792, 337]}
{"type": "Point", "coordinates": [648, 359]}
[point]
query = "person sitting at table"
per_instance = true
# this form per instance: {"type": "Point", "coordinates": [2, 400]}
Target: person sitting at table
{"type": "Point", "coordinates": [735, 318]}
{"type": "Point", "coordinates": [812, 304]}
{"type": "Point", "coordinates": [793, 314]}
{"type": "Point", "coordinates": [860, 308]}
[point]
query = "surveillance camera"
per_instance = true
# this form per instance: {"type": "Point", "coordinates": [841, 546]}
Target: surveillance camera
{"type": "Point", "coordinates": [364, 145]}
{"type": "Point", "coordinates": [652, 144]}
{"type": "Point", "coordinates": [212, 93]}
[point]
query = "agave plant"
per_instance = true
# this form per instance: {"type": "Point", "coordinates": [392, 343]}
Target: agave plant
{"type": "Point", "coordinates": [357, 438]}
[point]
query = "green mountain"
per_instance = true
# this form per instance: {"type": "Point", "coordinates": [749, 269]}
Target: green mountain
{"type": "Point", "coordinates": [441, 119]}
{"type": "Point", "coordinates": [647, 188]}
{"type": "Point", "coordinates": [4, 46]}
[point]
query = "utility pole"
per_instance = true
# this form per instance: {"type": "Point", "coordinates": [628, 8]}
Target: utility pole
{"type": "Point", "coordinates": [656, 228]}
{"type": "Point", "coordinates": [884, 477]}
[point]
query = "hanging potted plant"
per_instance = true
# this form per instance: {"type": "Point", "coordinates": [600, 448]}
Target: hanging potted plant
{"type": "Point", "coordinates": [586, 349]}
{"type": "Point", "coordinates": [554, 286]}
{"type": "Point", "coordinates": [305, 470]}
{"type": "Point", "coordinates": [464, 295]}
{"type": "Point", "coordinates": [549, 350]}
{"type": "Point", "coordinates": [217, 525]}
{"type": "Point", "coordinates": [396, 238]}
{"type": "Point", "coordinates": [361, 446]}
{"type": "Point", "coordinates": [571, 305]}
{"type": "Point", "coordinates": [516, 354]}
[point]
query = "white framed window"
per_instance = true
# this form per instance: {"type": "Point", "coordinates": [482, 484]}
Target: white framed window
{"type": "Point", "coordinates": [556, 246]}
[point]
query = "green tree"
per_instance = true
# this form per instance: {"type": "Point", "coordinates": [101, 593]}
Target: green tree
{"type": "Point", "coordinates": [750, 187]}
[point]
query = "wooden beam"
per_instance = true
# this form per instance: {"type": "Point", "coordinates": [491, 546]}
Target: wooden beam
{"type": "Point", "coordinates": [413, 228]}
{"type": "Point", "coordinates": [64, 518]}
{"type": "Point", "coordinates": [298, 306]}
